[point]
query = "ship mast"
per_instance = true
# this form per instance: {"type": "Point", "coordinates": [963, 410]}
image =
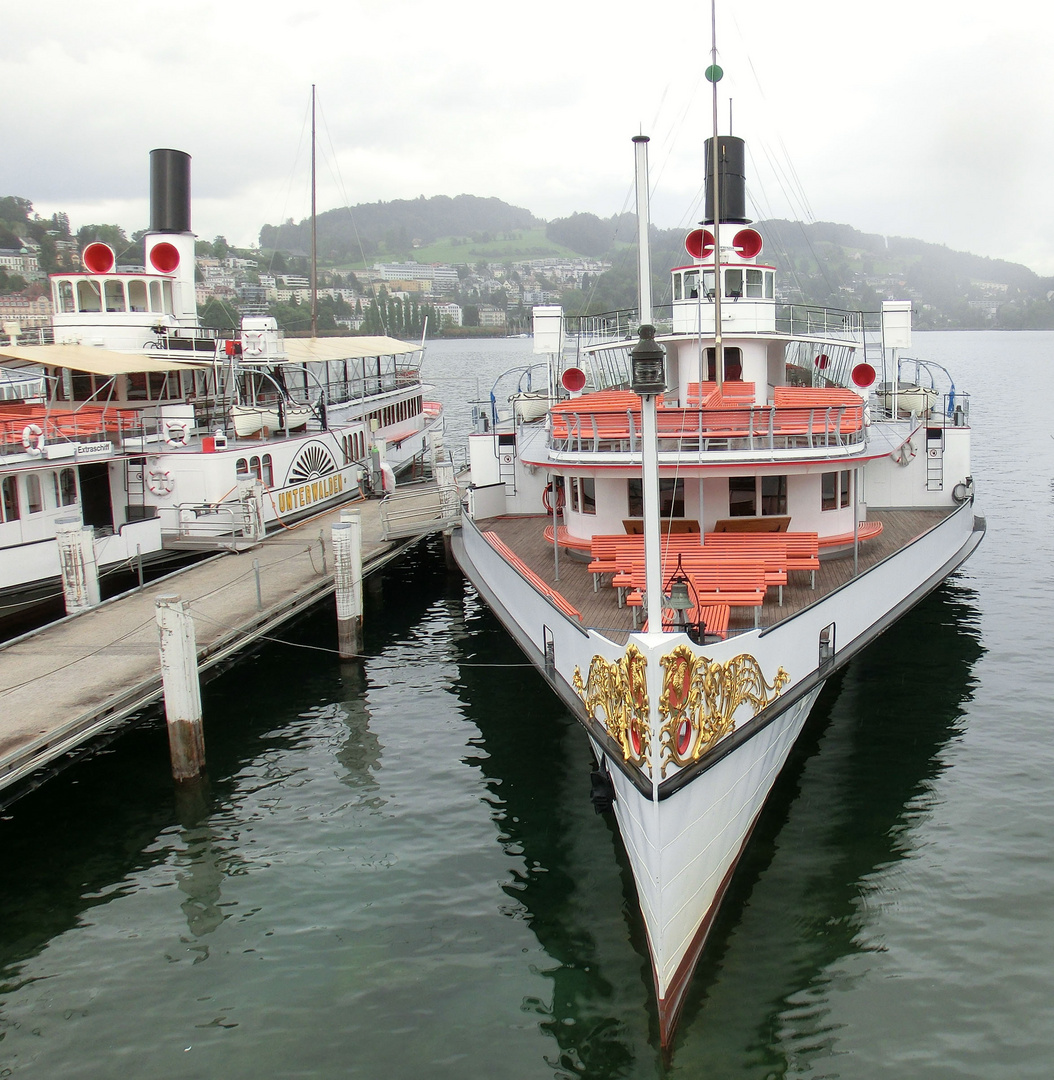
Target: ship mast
{"type": "Point", "coordinates": [314, 239]}
{"type": "Point", "coordinates": [713, 75]}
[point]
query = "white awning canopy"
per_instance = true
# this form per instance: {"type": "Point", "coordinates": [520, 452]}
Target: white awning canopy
{"type": "Point", "coordinates": [301, 350]}
{"type": "Point", "coordinates": [97, 361]}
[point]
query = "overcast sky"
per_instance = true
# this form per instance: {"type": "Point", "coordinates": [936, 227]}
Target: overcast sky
{"type": "Point", "coordinates": [920, 118]}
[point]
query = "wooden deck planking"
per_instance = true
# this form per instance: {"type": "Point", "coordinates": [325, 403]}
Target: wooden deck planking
{"type": "Point", "coordinates": [600, 610]}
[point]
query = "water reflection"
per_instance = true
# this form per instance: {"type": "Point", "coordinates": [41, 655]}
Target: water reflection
{"type": "Point", "coordinates": [840, 816]}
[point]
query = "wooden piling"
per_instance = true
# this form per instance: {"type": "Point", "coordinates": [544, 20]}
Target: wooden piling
{"type": "Point", "coordinates": [347, 577]}
{"type": "Point", "coordinates": [80, 570]}
{"type": "Point", "coordinates": [182, 688]}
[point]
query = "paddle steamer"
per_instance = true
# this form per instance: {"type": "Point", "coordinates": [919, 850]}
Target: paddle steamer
{"type": "Point", "coordinates": [161, 436]}
{"type": "Point", "coordinates": [712, 518]}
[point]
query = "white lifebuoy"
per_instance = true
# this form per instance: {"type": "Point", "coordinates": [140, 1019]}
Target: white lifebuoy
{"type": "Point", "coordinates": [904, 453]}
{"type": "Point", "coordinates": [387, 478]}
{"type": "Point", "coordinates": [177, 432]}
{"type": "Point", "coordinates": [33, 439]}
{"type": "Point", "coordinates": [160, 482]}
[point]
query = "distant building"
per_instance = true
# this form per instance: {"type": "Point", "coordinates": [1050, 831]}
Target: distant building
{"type": "Point", "coordinates": [18, 308]}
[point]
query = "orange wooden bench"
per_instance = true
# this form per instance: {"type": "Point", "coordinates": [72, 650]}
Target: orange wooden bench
{"type": "Point", "coordinates": [866, 530]}
{"type": "Point", "coordinates": [714, 618]}
{"type": "Point", "coordinates": [738, 586]}
{"type": "Point", "coordinates": [566, 540]}
{"type": "Point", "coordinates": [530, 576]}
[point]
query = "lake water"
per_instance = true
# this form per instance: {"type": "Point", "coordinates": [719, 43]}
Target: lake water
{"type": "Point", "coordinates": [395, 870]}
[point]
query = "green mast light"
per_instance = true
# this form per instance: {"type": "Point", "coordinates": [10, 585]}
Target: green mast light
{"type": "Point", "coordinates": [713, 73]}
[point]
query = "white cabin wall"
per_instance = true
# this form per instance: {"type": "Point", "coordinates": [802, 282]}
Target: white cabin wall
{"type": "Point", "coordinates": [892, 486]}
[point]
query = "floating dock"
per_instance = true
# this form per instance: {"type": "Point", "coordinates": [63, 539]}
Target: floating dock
{"type": "Point", "coordinates": [72, 681]}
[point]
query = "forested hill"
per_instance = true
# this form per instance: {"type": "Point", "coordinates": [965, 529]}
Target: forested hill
{"type": "Point", "coordinates": [837, 266]}
{"type": "Point", "coordinates": [398, 227]}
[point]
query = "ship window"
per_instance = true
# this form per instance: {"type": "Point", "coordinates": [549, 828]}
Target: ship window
{"type": "Point", "coordinates": [677, 286]}
{"type": "Point", "coordinates": [155, 296]}
{"type": "Point", "coordinates": [589, 495]}
{"type": "Point", "coordinates": [754, 283]}
{"type": "Point", "coordinates": [83, 385]}
{"type": "Point", "coordinates": [734, 283]}
{"type": "Point", "coordinates": [691, 284]}
{"type": "Point", "coordinates": [88, 298]}
{"type": "Point", "coordinates": [747, 493]}
{"type": "Point", "coordinates": [166, 296]}
{"type": "Point", "coordinates": [34, 495]}
{"type": "Point", "coordinates": [671, 498]}
{"type": "Point", "coordinates": [733, 365]}
{"type": "Point", "coordinates": [9, 495]}
{"type": "Point", "coordinates": [574, 495]}
{"type": "Point", "coordinates": [835, 490]}
{"type": "Point", "coordinates": [66, 297]}
{"type": "Point", "coordinates": [137, 386]}
{"type": "Point", "coordinates": [268, 470]}
{"type": "Point", "coordinates": [114, 293]}
{"type": "Point", "coordinates": [137, 296]}
{"type": "Point", "coordinates": [254, 467]}
{"type": "Point", "coordinates": [770, 287]}
{"type": "Point", "coordinates": [66, 482]}
{"type": "Point", "coordinates": [742, 496]}
{"type": "Point", "coordinates": [241, 466]}
{"type": "Point", "coordinates": [773, 495]}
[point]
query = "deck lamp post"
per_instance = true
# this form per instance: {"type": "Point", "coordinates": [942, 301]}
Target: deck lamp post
{"type": "Point", "coordinates": [648, 378]}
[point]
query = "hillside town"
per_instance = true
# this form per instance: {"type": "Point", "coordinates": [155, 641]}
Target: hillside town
{"type": "Point", "coordinates": [493, 297]}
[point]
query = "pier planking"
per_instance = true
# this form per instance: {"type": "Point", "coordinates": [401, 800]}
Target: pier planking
{"type": "Point", "coordinates": [68, 683]}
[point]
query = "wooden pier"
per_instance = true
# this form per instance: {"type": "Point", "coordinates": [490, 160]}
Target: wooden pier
{"type": "Point", "coordinates": [70, 682]}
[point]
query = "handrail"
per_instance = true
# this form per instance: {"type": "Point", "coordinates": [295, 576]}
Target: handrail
{"type": "Point", "coordinates": [745, 427]}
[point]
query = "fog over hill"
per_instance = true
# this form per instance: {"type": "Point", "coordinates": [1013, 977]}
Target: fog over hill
{"type": "Point", "coordinates": [819, 263]}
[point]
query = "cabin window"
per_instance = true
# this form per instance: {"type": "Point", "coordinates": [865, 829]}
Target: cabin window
{"type": "Point", "coordinates": [137, 390]}
{"type": "Point", "coordinates": [66, 487]}
{"type": "Point", "coordinates": [773, 495]}
{"type": "Point", "coordinates": [742, 496]}
{"type": "Point", "coordinates": [268, 470]}
{"type": "Point", "coordinates": [88, 296]}
{"type": "Point", "coordinates": [770, 285]}
{"type": "Point", "coordinates": [241, 467]}
{"type": "Point", "coordinates": [166, 296]}
{"type": "Point", "coordinates": [589, 495]}
{"type": "Point", "coordinates": [137, 296]}
{"type": "Point", "coordinates": [83, 386]}
{"type": "Point", "coordinates": [254, 467]}
{"type": "Point", "coordinates": [114, 293]}
{"type": "Point", "coordinates": [734, 283]}
{"type": "Point", "coordinates": [835, 490]}
{"type": "Point", "coordinates": [748, 494]}
{"type": "Point", "coordinates": [34, 494]}
{"type": "Point", "coordinates": [691, 285]}
{"type": "Point", "coordinates": [677, 286]}
{"type": "Point", "coordinates": [9, 498]}
{"type": "Point", "coordinates": [671, 498]}
{"type": "Point", "coordinates": [755, 284]}
{"type": "Point", "coordinates": [66, 304]}
{"type": "Point", "coordinates": [574, 494]}
{"type": "Point", "coordinates": [155, 296]}
{"type": "Point", "coordinates": [733, 365]}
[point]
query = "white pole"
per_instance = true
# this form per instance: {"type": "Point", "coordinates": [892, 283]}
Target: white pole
{"type": "Point", "coordinates": [80, 570]}
{"type": "Point", "coordinates": [347, 577]}
{"type": "Point", "coordinates": [652, 536]}
{"type": "Point", "coordinates": [182, 688]}
{"type": "Point", "coordinates": [640, 146]}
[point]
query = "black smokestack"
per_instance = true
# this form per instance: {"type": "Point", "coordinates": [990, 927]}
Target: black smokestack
{"type": "Point", "coordinates": [731, 154]}
{"type": "Point", "coordinates": [170, 191]}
